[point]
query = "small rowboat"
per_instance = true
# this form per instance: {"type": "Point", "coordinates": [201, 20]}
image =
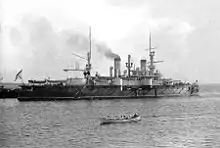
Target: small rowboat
{"type": "Point", "coordinates": [122, 120]}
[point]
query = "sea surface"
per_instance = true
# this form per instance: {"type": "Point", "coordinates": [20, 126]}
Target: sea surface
{"type": "Point", "coordinates": [167, 122]}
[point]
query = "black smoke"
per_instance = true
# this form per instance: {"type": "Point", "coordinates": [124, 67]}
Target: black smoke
{"type": "Point", "coordinates": [107, 52]}
{"type": "Point", "coordinates": [45, 50]}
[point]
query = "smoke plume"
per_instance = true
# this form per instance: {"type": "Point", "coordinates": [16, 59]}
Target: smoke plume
{"type": "Point", "coordinates": [103, 49]}
{"type": "Point", "coordinates": [39, 48]}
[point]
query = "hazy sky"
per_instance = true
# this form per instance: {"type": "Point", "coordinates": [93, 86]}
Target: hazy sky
{"type": "Point", "coordinates": [39, 36]}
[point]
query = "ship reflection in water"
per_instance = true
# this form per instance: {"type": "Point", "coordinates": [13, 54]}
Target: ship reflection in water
{"type": "Point", "coordinates": [168, 122]}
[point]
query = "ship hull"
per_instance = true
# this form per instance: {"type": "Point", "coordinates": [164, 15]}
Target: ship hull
{"type": "Point", "coordinates": [8, 93]}
{"type": "Point", "coordinates": [99, 92]}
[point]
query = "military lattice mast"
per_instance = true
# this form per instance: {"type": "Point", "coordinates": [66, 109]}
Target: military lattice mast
{"type": "Point", "coordinates": [129, 65]}
{"type": "Point", "coordinates": [89, 54]}
{"type": "Point", "coordinates": [88, 58]}
{"type": "Point", "coordinates": [152, 54]}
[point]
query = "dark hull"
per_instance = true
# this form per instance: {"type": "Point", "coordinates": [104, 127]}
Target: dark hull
{"type": "Point", "coordinates": [8, 93]}
{"type": "Point", "coordinates": [98, 92]}
{"type": "Point", "coordinates": [49, 91]}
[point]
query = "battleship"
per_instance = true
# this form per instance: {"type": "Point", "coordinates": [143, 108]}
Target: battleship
{"type": "Point", "coordinates": [141, 82]}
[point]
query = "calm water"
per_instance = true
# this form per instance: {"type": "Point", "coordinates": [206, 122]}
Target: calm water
{"type": "Point", "coordinates": [167, 122]}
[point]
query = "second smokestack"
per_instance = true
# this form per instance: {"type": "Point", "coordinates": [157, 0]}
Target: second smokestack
{"type": "Point", "coordinates": [143, 66]}
{"type": "Point", "coordinates": [117, 67]}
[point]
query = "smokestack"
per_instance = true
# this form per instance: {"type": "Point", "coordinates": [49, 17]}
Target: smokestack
{"type": "Point", "coordinates": [111, 71]}
{"type": "Point", "coordinates": [117, 67]}
{"type": "Point", "coordinates": [143, 66]}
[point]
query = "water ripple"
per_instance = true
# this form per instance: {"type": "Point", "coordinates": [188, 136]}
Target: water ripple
{"type": "Point", "coordinates": [184, 122]}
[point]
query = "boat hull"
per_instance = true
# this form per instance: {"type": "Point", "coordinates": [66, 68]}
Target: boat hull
{"type": "Point", "coordinates": [111, 121]}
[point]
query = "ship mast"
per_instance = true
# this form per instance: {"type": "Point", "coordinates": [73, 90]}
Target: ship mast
{"type": "Point", "coordinates": [152, 54]}
{"type": "Point", "coordinates": [90, 44]}
{"type": "Point", "coordinates": [150, 44]}
{"type": "Point", "coordinates": [129, 64]}
{"type": "Point", "coordinates": [88, 58]}
{"type": "Point", "coordinates": [89, 54]}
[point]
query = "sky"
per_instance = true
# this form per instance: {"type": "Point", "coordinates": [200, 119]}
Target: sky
{"type": "Point", "coordinates": [39, 36]}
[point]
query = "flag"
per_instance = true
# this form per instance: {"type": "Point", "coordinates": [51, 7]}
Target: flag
{"type": "Point", "coordinates": [18, 75]}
